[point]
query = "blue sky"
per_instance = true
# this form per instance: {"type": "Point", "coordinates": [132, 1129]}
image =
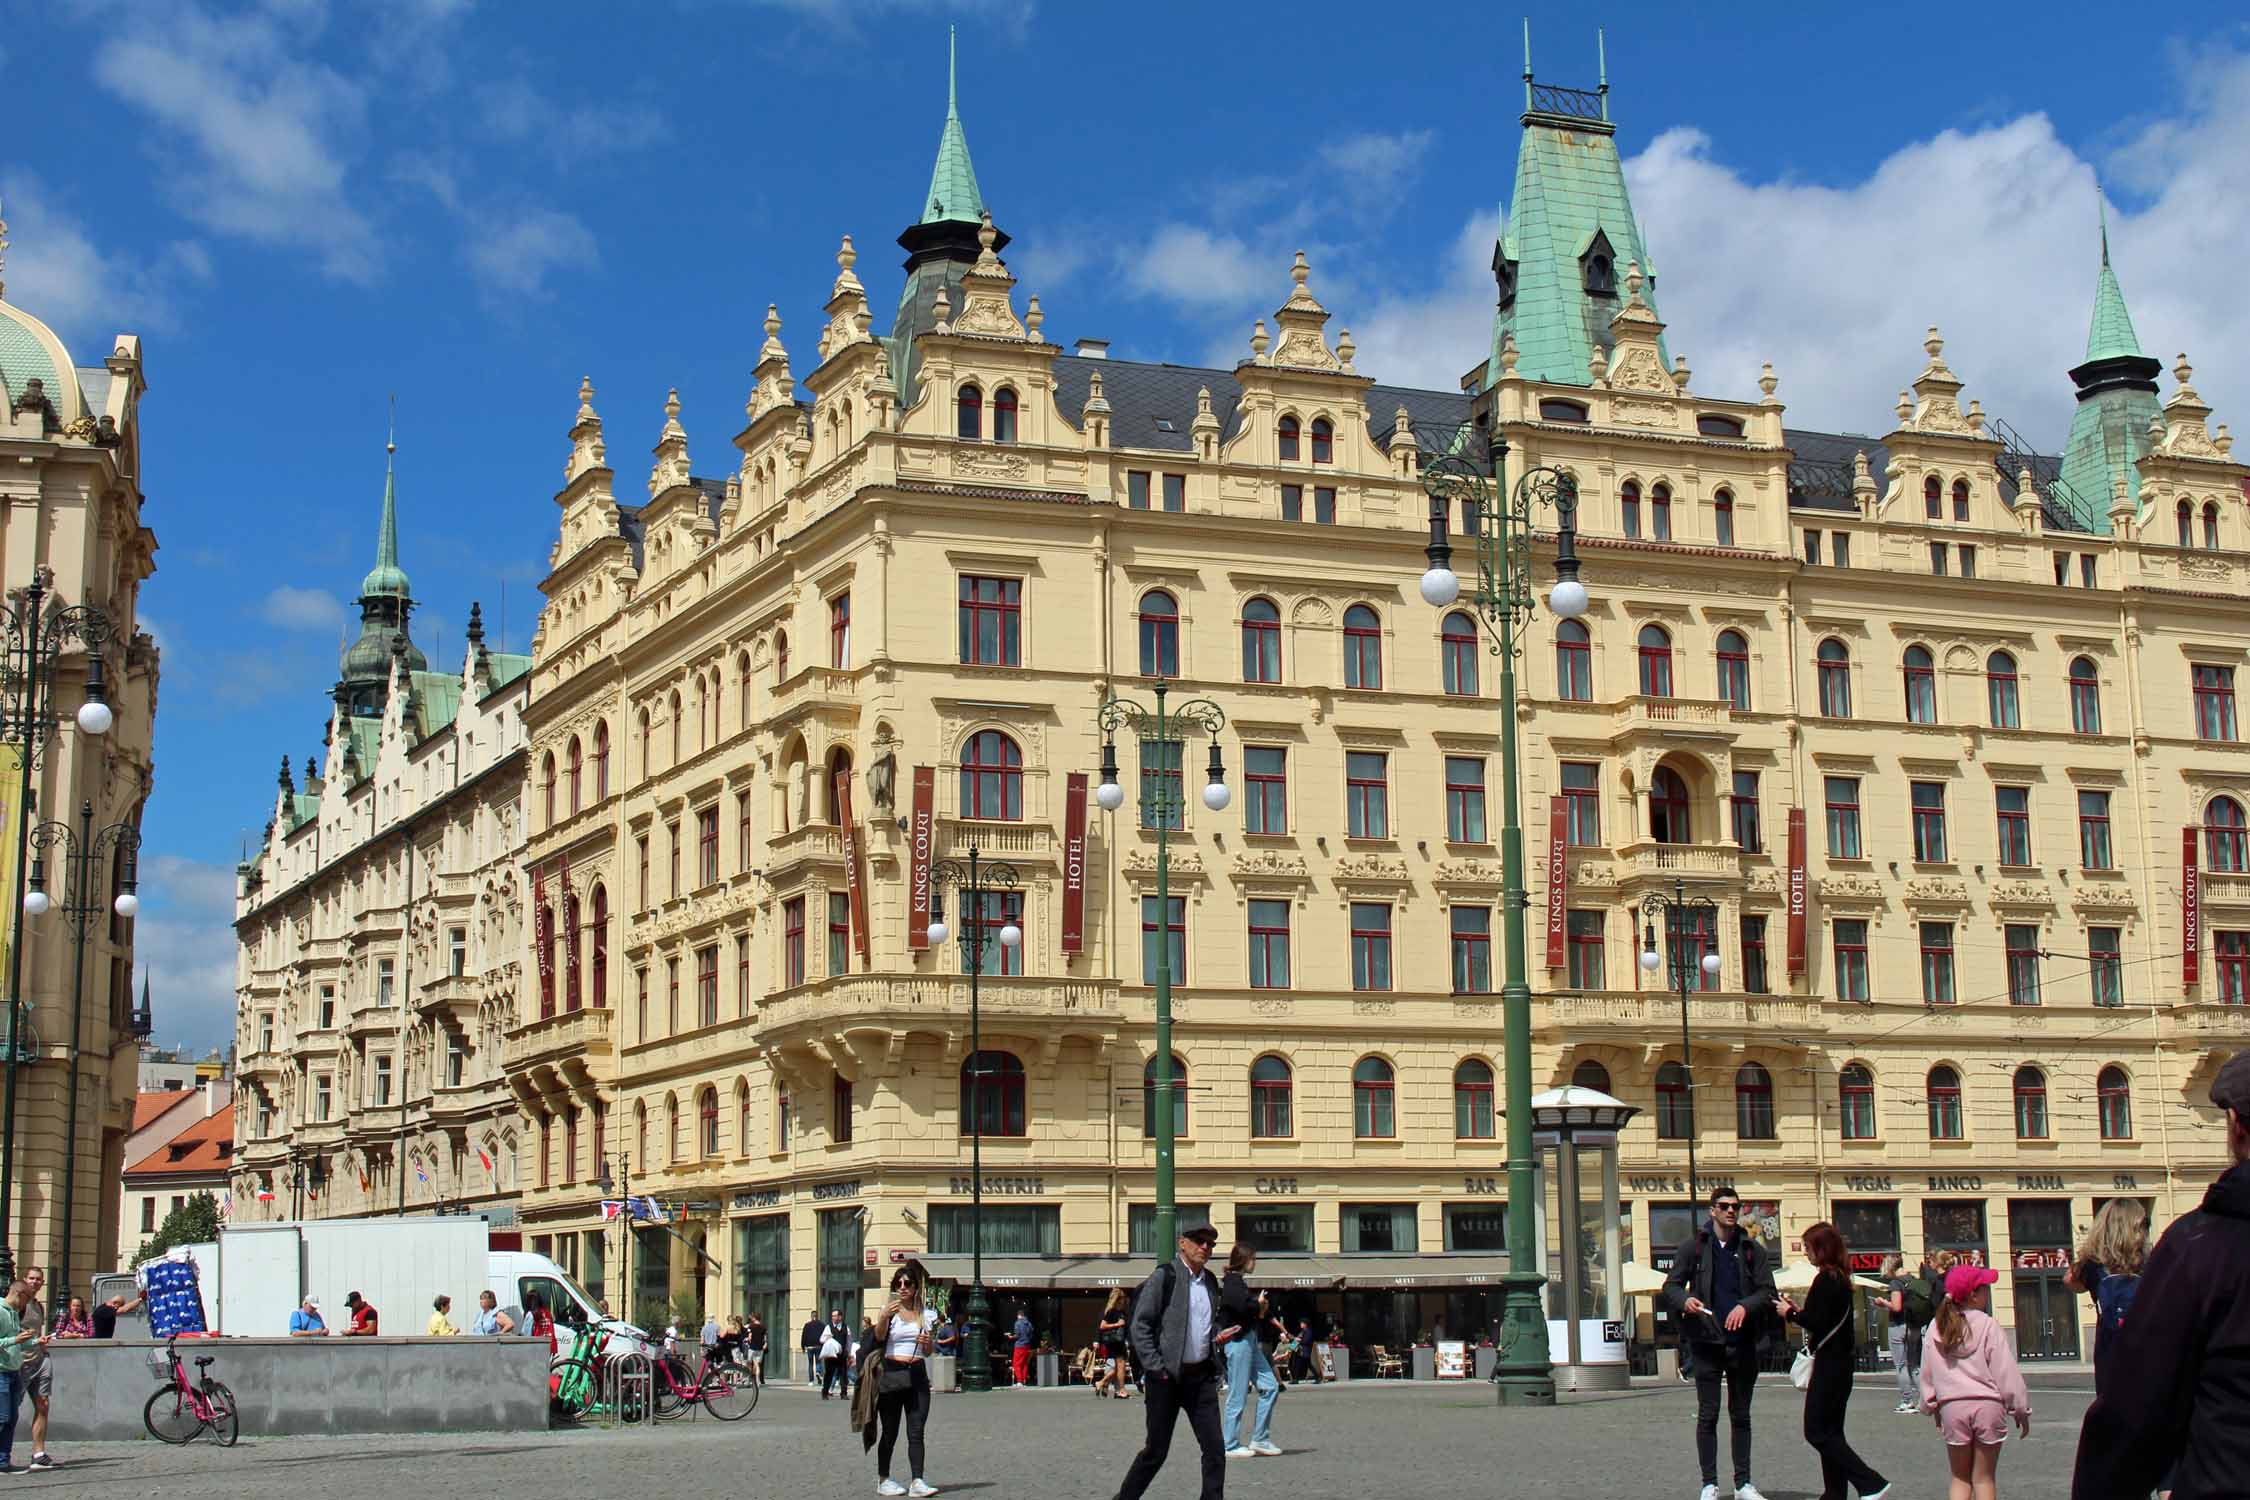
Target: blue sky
{"type": "Point", "coordinates": [304, 208]}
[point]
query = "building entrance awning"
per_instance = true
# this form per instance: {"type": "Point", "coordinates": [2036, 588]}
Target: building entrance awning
{"type": "Point", "coordinates": [1062, 1273]}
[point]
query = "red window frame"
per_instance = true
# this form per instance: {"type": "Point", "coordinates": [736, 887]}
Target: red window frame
{"type": "Point", "coordinates": [568, 936]}
{"type": "Point", "coordinates": [2093, 827]}
{"type": "Point", "coordinates": [1944, 1103]}
{"type": "Point", "coordinates": [547, 787]}
{"type": "Point", "coordinates": [1834, 673]}
{"type": "Point", "coordinates": [2214, 701]}
{"type": "Point", "coordinates": [601, 947]}
{"type": "Point", "coordinates": [742, 975]}
{"type": "Point", "coordinates": [1734, 669]}
{"type": "Point", "coordinates": [1264, 790]}
{"type": "Point", "coordinates": [1261, 641]}
{"type": "Point", "coordinates": [707, 844]}
{"type": "Point", "coordinates": [1323, 441]}
{"type": "Point", "coordinates": [1855, 1093]}
{"type": "Point", "coordinates": [2210, 527]}
{"type": "Point", "coordinates": [1285, 437]}
{"type": "Point", "coordinates": [577, 764]}
{"type": "Point", "coordinates": [1175, 927]}
{"type": "Point", "coordinates": [1457, 643]}
{"type": "Point", "coordinates": [2114, 1091]}
{"type": "Point", "coordinates": [2020, 942]}
{"type": "Point", "coordinates": [1271, 1100]}
{"type": "Point", "coordinates": [601, 761]}
{"type": "Point", "coordinates": [2002, 697]}
{"type": "Point", "coordinates": [1675, 1108]}
{"type": "Point", "coordinates": [1671, 818]}
{"type": "Point", "coordinates": [742, 830]}
{"type": "Point", "coordinates": [1754, 1118]}
{"type": "Point", "coordinates": [547, 972]}
{"type": "Point", "coordinates": [1928, 820]}
{"type": "Point", "coordinates": [999, 600]}
{"type": "Point", "coordinates": [2226, 837]}
{"type": "Point", "coordinates": [1159, 633]}
{"type": "Point", "coordinates": [1462, 798]}
{"type": "Point", "coordinates": [840, 631]}
{"type": "Point", "coordinates": [1848, 937]}
{"type": "Point", "coordinates": [793, 940]}
{"type": "Point", "coordinates": [1654, 647]}
{"type": "Point", "coordinates": [968, 419]}
{"type": "Point", "coordinates": [839, 931]}
{"type": "Point", "coordinates": [1940, 979]}
{"type": "Point", "coordinates": [1960, 500]}
{"type": "Point", "coordinates": [1004, 414]}
{"type": "Point", "coordinates": [1367, 799]}
{"type": "Point", "coordinates": [707, 985]}
{"type": "Point", "coordinates": [1374, 1102]}
{"type": "Point", "coordinates": [1660, 512]}
{"type": "Point", "coordinates": [1266, 941]}
{"type": "Point", "coordinates": [2085, 697]}
{"type": "Point", "coordinates": [1472, 951]}
{"type": "Point", "coordinates": [1363, 649]}
{"type": "Point", "coordinates": [2015, 824]}
{"type": "Point", "coordinates": [992, 1086]}
{"type": "Point", "coordinates": [2030, 1087]}
{"type": "Point", "coordinates": [1629, 508]}
{"type": "Point", "coordinates": [2232, 951]}
{"type": "Point", "coordinates": [995, 911]}
{"type": "Point", "coordinates": [672, 995]}
{"type": "Point", "coordinates": [1933, 499]}
{"type": "Point", "coordinates": [1755, 978]}
{"type": "Point", "coordinates": [780, 675]}
{"type": "Point", "coordinates": [1722, 516]}
{"type": "Point", "coordinates": [1582, 821]}
{"type": "Point", "coordinates": [1473, 1103]}
{"type": "Point", "coordinates": [2184, 514]}
{"type": "Point", "coordinates": [992, 778]}
{"type": "Point", "coordinates": [1369, 944]}
{"type": "Point", "coordinates": [1742, 810]}
{"type": "Point", "coordinates": [1574, 662]}
{"type": "Point", "coordinates": [707, 1121]}
{"type": "Point", "coordinates": [1921, 686]}
{"type": "Point", "coordinates": [1588, 966]}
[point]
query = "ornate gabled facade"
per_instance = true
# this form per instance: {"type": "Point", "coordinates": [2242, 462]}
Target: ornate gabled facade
{"type": "Point", "coordinates": [381, 939]}
{"type": "Point", "coordinates": [70, 490]}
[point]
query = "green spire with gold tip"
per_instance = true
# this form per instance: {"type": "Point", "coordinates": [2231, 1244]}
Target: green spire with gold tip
{"type": "Point", "coordinates": [387, 578]}
{"type": "Point", "coordinates": [2110, 335]}
{"type": "Point", "coordinates": [953, 181]}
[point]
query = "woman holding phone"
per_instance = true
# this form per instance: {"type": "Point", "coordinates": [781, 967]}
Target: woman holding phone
{"type": "Point", "coordinates": [1241, 1310]}
{"type": "Point", "coordinates": [906, 1327]}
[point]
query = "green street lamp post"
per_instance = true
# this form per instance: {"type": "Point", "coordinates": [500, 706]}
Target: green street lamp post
{"type": "Point", "coordinates": [83, 853]}
{"type": "Point", "coordinates": [1502, 594]}
{"type": "Point", "coordinates": [1163, 733]}
{"type": "Point", "coordinates": [974, 881]}
{"type": "Point", "coordinates": [32, 635]}
{"type": "Point", "coordinates": [1683, 921]}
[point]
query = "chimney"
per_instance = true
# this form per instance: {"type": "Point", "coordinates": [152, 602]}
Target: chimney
{"type": "Point", "coordinates": [210, 1097]}
{"type": "Point", "coordinates": [1093, 349]}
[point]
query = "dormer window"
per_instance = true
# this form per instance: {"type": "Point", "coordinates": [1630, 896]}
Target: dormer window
{"type": "Point", "coordinates": [1504, 274]}
{"type": "Point", "coordinates": [1286, 433]}
{"type": "Point", "coordinates": [1004, 415]}
{"type": "Point", "coordinates": [1323, 441]}
{"type": "Point", "coordinates": [1933, 506]}
{"type": "Point", "coordinates": [1710, 424]}
{"type": "Point", "coordinates": [1562, 411]}
{"type": "Point", "coordinates": [1599, 267]}
{"type": "Point", "coordinates": [970, 421]}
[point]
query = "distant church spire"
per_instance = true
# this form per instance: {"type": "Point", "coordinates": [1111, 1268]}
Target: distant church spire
{"type": "Point", "coordinates": [953, 181]}
{"type": "Point", "coordinates": [385, 604]}
{"type": "Point", "coordinates": [2117, 399]}
{"type": "Point", "coordinates": [941, 244]}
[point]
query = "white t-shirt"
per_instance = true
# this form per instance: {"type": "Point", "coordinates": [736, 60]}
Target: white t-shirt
{"type": "Point", "coordinates": [906, 1334]}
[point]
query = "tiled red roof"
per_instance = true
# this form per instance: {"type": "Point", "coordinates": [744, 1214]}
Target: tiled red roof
{"type": "Point", "coordinates": [204, 1149]}
{"type": "Point", "coordinates": [149, 1104]}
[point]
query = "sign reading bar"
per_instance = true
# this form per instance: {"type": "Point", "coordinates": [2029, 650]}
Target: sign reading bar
{"type": "Point", "coordinates": [1558, 879]}
{"type": "Point", "coordinates": [923, 830]}
{"type": "Point", "coordinates": [2191, 910]}
{"type": "Point", "coordinates": [1074, 865]}
{"type": "Point", "coordinates": [855, 866]}
{"type": "Point", "coordinates": [1796, 892]}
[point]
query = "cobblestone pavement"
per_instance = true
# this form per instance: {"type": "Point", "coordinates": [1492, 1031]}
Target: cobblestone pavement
{"type": "Point", "coordinates": [1364, 1439]}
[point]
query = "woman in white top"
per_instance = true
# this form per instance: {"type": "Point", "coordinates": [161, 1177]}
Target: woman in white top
{"type": "Point", "coordinates": [906, 1326]}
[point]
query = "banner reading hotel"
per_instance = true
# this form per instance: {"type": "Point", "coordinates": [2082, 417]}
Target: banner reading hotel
{"type": "Point", "coordinates": [1796, 891]}
{"type": "Point", "coordinates": [2191, 910]}
{"type": "Point", "coordinates": [923, 829]}
{"type": "Point", "coordinates": [1074, 864]}
{"type": "Point", "coordinates": [542, 938]}
{"type": "Point", "coordinates": [1558, 879]}
{"type": "Point", "coordinates": [855, 867]}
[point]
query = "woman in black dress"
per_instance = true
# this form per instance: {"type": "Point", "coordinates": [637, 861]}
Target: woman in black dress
{"type": "Point", "coordinates": [1826, 1318]}
{"type": "Point", "coordinates": [1111, 1332]}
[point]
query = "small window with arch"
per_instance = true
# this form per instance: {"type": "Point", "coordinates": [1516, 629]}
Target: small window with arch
{"type": "Point", "coordinates": [969, 413]}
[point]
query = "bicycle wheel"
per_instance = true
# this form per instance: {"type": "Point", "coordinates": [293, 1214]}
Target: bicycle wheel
{"type": "Point", "coordinates": [226, 1418]}
{"type": "Point", "coordinates": [169, 1418]}
{"type": "Point", "coordinates": [669, 1402]}
{"type": "Point", "coordinates": [729, 1394]}
{"type": "Point", "coordinates": [570, 1390]}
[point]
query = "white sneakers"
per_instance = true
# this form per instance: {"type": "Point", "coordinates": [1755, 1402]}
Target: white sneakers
{"type": "Point", "coordinates": [918, 1488]}
{"type": "Point", "coordinates": [1265, 1450]}
{"type": "Point", "coordinates": [1242, 1453]}
{"type": "Point", "coordinates": [890, 1486]}
{"type": "Point", "coordinates": [1710, 1492]}
{"type": "Point", "coordinates": [1747, 1491]}
{"type": "Point", "coordinates": [921, 1487]}
{"type": "Point", "coordinates": [1906, 1406]}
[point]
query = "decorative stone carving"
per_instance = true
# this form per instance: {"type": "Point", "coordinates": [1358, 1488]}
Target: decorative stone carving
{"type": "Point", "coordinates": [1371, 867]}
{"type": "Point", "coordinates": [1765, 881]}
{"type": "Point", "coordinates": [991, 465]}
{"type": "Point", "coordinates": [1935, 890]}
{"type": "Point", "coordinates": [2021, 893]}
{"type": "Point", "coordinates": [1276, 863]}
{"type": "Point", "coordinates": [1629, 412]}
{"type": "Point", "coordinates": [1470, 871]}
{"type": "Point", "coordinates": [1850, 888]}
{"type": "Point", "coordinates": [1184, 862]}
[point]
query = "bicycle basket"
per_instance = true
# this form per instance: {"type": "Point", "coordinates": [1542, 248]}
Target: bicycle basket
{"type": "Point", "coordinates": [160, 1364]}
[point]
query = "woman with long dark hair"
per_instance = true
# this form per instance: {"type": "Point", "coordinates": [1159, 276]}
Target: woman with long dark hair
{"type": "Point", "coordinates": [1826, 1318]}
{"type": "Point", "coordinates": [1115, 1313]}
{"type": "Point", "coordinates": [904, 1328]}
{"type": "Point", "coordinates": [1240, 1310]}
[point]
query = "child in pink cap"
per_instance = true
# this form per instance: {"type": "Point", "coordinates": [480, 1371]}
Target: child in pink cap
{"type": "Point", "coordinates": [1971, 1384]}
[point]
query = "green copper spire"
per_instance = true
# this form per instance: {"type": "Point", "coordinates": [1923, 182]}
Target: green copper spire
{"type": "Point", "coordinates": [2117, 398]}
{"type": "Point", "coordinates": [2110, 335]}
{"type": "Point", "coordinates": [387, 577]}
{"type": "Point", "coordinates": [384, 607]}
{"type": "Point", "coordinates": [953, 181]}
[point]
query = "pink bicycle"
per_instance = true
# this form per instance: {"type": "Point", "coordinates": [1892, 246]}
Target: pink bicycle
{"type": "Point", "coordinates": [180, 1409]}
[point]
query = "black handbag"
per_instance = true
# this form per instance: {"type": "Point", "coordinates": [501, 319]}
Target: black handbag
{"type": "Point", "coordinates": [895, 1379]}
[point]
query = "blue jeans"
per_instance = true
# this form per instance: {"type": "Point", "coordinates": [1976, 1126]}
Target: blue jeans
{"type": "Point", "coordinates": [11, 1397]}
{"type": "Point", "coordinates": [1247, 1364]}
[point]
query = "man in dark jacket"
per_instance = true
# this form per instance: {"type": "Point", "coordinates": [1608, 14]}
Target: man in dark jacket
{"type": "Point", "coordinates": [808, 1339]}
{"type": "Point", "coordinates": [1177, 1336]}
{"type": "Point", "coordinates": [2177, 1391]}
{"type": "Point", "coordinates": [1722, 1287]}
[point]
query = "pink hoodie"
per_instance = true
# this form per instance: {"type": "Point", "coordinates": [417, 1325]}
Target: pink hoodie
{"type": "Point", "coordinates": [1984, 1370]}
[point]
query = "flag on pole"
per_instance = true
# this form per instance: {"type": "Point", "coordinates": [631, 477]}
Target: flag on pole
{"type": "Point", "coordinates": [265, 1195]}
{"type": "Point", "coordinates": [364, 1185]}
{"type": "Point", "coordinates": [420, 1175]}
{"type": "Point", "coordinates": [484, 1159]}
{"type": "Point", "coordinates": [611, 1208]}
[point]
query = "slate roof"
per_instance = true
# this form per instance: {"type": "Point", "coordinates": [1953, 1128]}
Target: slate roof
{"type": "Point", "coordinates": [1143, 396]}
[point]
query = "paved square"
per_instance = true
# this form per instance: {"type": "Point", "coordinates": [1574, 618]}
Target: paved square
{"type": "Point", "coordinates": [1363, 1439]}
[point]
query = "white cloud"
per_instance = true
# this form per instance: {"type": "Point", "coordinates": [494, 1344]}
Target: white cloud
{"type": "Point", "coordinates": [516, 256]}
{"type": "Point", "coordinates": [512, 109]}
{"type": "Point", "coordinates": [57, 271]}
{"type": "Point", "coordinates": [1193, 265]}
{"type": "Point", "coordinates": [292, 608]}
{"type": "Point", "coordinates": [184, 942]}
{"type": "Point", "coordinates": [1376, 169]}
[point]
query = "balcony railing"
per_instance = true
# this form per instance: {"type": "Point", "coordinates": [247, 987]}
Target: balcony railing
{"type": "Point", "coordinates": [998, 840]}
{"type": "Point", "coordinates": [1707, 861]}
{"type": "Point", "coordinates": [566, 1035]}
{"type": "Point", "coordinates": [864, 997]}
{"type": "Point", "coordinates": [1672, 714]}
{"type": "Point", "coordinates": [1711, 1014]}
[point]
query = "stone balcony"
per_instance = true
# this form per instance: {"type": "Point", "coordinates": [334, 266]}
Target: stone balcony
{"type": "Point", "coordinates": [1716, 1018]}
{"type": "Point", "coordinates": [570, 1050]}
{"type": "Point", "coordinates": [1648, 859]}
{"type": "Point", "coordinates": [454, 992]}
{"type": "Point", "coordinates": [815, 842]}
{"type": "Point", "coordinates": [934, 1002]}
{"type": "Point", "coordinates": [1673, 718]}
{"type": "Point", "coordinates": [2207, 1021]}
{"type": "Point", "coordinates": [998, 840]}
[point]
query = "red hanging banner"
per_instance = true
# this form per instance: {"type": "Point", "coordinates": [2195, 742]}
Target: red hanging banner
{"type": "Point", "coordinates": [2191, 910]}
{"type": "Point", "coordinates": [1558, 879]}
{"type": "Point", "coordinates": [922, 832]}
{"type": "Point", "coordinates": [855, 866]}
{"type": "Point", "coordinates": [1796, 892]}
{"type": "Point", "coordinates": [1074, 865]}
{"type": "Point", "coordinates": [542, 938]}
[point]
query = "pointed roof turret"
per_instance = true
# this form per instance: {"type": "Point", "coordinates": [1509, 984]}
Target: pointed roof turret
{"type": "Point", "coordinates": [385, 604]}
{"type": "Point", "coordinates": [2109, 432]}
{"type": "Point", "coordinates": [953, 181]}
{"type": "Point", "coordinates": [386, 577]}
{"type": "Point", "coordinates": [2110, 335]}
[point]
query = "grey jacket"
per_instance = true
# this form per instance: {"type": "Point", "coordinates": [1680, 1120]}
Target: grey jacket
{"type": "Point", "coordinates": [1159, 1328]}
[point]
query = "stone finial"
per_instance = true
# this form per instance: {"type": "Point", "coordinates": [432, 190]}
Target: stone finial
{"type": "Point", "coordinates": [1300, 273]}
{"type": "Point", "coordinates": [1033, 316]}
{"type": "Point", "coordinates": [1345, 348]}
{"type": "Point", "coordinates": [1976, 416]}
{"type": "Point", "coordinates": [2182, 371]}
{"type": "Point", "coordinates": [1402, 421]}
{"type": "Point", "coordinates": [671, 466]}
{"type": "Point", "coordinates": [1933, 344]}
{"type": "Point", "coordinates": [846, 258]}
{"type": "Point", "coordinates": [1095, 400]}
{"type": "Point", "coordinates": [476, 624]}
{"type": "Point", "coordinates": [2223, 440]}
{"type": "Point", "coordinates": [1905, 408]}
{"type": "Point", "coordinates": [587, 450]}
{"type": "Point", "coordinates": [1597, 364]}
{"type": "Point", "coordinates": [1203, 402]}
{"type": "Point", "coordinates": [1680, 373]}
{"type": "Point", "coordinates": [1260, 341]}
{"type": "Point", "coordinates": [772, 347]}
{"type": "Point", "coordinates": [988, 259]}
{"type": "Point", "coordinates": [1768, 382]}
{"type": "Point", "coordinates": [1633, 280]}
{"type": "Point", "coordinates": [1863, 483]}
{"type": "Point", "coordinates": [2156, 428]}
{"type": "Point", "coordinates": [1509, 356]}
{"type": "Point", "coordinates": [288, 783]}
{"type": "Point", "coordinates": [2025, 485]}
{"type": "Point", "coordinates": [942, 311]}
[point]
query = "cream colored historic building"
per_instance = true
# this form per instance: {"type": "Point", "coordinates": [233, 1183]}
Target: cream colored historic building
{"type": "Point", "coordinates": [70, 491]}
{"type": "Point", "coordinates": [380, 937]}
{"type": "Point", "coordinates": [943, 547]}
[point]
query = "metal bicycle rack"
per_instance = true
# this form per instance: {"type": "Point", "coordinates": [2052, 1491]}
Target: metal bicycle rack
{"type": "Point", "coordinates": [627, 1393]}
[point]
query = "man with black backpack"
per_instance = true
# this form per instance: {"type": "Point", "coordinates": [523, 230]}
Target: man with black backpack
{"type": "Point", "coordinates": [1722, 1286]}
{"type": "Point", "coordinates": [1176, 1336]}
{"type": "Point", "coordinates": [1912, 1305]}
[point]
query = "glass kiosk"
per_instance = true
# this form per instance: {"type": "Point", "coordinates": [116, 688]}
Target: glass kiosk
{"type": "Point", "coordinates": [1574, 1133]}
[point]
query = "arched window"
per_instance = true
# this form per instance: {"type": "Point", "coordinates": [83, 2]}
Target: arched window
{"type": "Point", "coordinates": [1285, 433]}
{"type": "Point", "coordinates": [741, 1118]}
{"type": "Point", "coordinates": [674, 704]}
{"type": "Point", "coordinates": [839, 778]}
{"type": "Point", "coordinates": [1373, 1100]}
{"type": "Point", "coordinates": [1960, 499]}
{"type": "Point", "coordinates": [1945, 1103]}
{"type": "Point", "coordinates": [2184, 514]}
{"type": "Point", "coordinates": [1722, 516]}
{"type": "Point", "coordinates": [1261, 641]}
{"type": "Point", "coordinates": [1933, 499]}
{"type": "Point", "coordinates": [575, 758]}
{"type": "Point", "coordinates": [1855, 1094]}
{"type": "Point", "coordinates": [640, 1136]}
{"type": "Point", "coordinates": [2226, 837]}
{"type": "Point", "coordinates": [1753, 1102]}
{"type": "Point", "coordinates": [707, 1120]}
{"type": "Point", "coordinates": [1921, 686]}
{"type": "Point", "coordinates": [1656, 662]}
{"type": "Point", "coordinates": [742, 688]}
{"type": "Point", "coordinates": [1004, 415]}
{"type": "Point", "coordinates": [702, 714]}
{"type": "Point", "coordinates": [1179, 1097]}
{"type": "Point", "coordinates": [1629, 508]}
{"type": "Point", "coordinates": [1160, 634]}
{"type": "Point", "coordinates": [1734, 669]}
{"type": "Point", "coordinates": [1473, 1118]}
{"type": "Point", "coordinates": [1363, 648]}
{"type": "Point", "coordinates": [600, 997]}
{"type": "Point", "coordinates": [995, 1078]}
{"type": "Point", "coordinates": [648, 746]}
{"type": "Point", "coordinates": [1270, 1086]}
{"type": "Point", "coordinates": [2210, 526]}
{"type": "Point", "coordinates": [1323, 441]}
{"type": "Point", "coordinates": [1458, 654]}
{"type": "Point", "coordinates": [991, 777]}
{"type": "Point", "coordinates": [674, 1147]}
{"type": "Point", "coordinates": [1660, 512]}
{"type": "Point", "coordinates": [1834, 662]}
{"type": "Point", "coordinates": [780, 657]}
{"type": "Point", "coordinates": [2031, 1104]}
{"type": "Point", "coordinates": [2000, 691]}
{"type": "Point", "coordinates": [601, 760]}
{"type": "Point", "coordinates": [969, 416]}
{"type": "Point", "coordinates": [1675, 1109]}
{"type": "Point", "coordinates": [1590, 1075]}
{"type": "Point", "coordinates": [2115, 1091]}
{"type": "Point", "coordinates": [1668, 820]}
{"type": "Point", "coordinates": [547, 786]}
{"type": "Point", "coordinates": [2085, 696]}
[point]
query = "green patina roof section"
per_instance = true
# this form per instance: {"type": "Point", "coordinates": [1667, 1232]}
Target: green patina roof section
{"type": "Point", "coordinates": [303, 808]}
{"type": "Point", "coordinates": [2111, 332]}
{"type": "Point", "coordinates": [387, 578]}
{"type": "Point", "coordinates": [362, 737]}
{"type": "Point", "coordinates": [2108, 431]}
{"type": "Point", "coordinates": [506, 668]}
{"type": "Point", "coordinates": [438, 697]}
{"type": "Point", "coordinates": [24, 357]}
{"type": "Point", "coordinates": [1569, 184]}
{"type": "Point", "coordinates": [953, 181]}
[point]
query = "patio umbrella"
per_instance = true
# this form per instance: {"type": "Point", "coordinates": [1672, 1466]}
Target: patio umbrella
{"type": "Point", "coordinates": [1637, 1280]}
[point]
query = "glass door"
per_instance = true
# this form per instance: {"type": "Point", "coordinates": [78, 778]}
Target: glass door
{"type": "Point", "coordinates": [2046, 1317]}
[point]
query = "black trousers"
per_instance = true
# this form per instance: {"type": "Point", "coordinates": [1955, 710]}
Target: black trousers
{"type": "Point", "coordinates": [914, 1404]}
{"type": "Point", "coordinates": [832, 1374]}
{"type": "Point", "coordinates": [1195, 1392]}
{"type": "Point", "coordinates": [1737, 1366]}
{"type": "Point", "coordinates": [1841, 1470]}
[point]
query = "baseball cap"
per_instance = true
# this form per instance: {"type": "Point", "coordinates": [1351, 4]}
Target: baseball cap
{"type": "Point", "coordinates": [1199, 1229]}
{"type": "Point", "coordinates": [2231, 1089]}
{"type": "Point", "coordinates": [1961, 1282]}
